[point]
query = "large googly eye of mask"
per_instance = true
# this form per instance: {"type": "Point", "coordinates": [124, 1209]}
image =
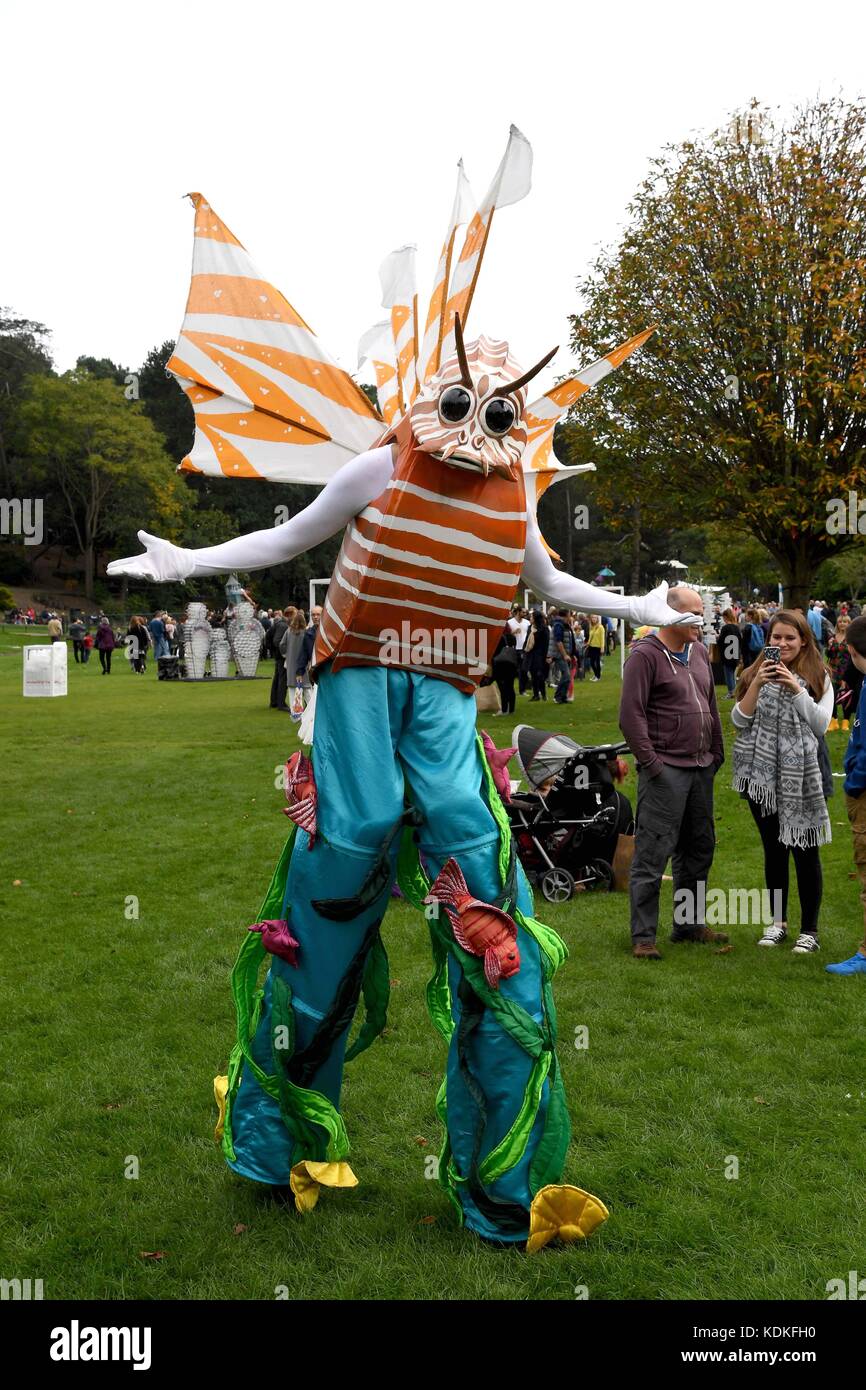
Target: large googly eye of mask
{"type": "Point", "coordinates": [498, 416]}
{"type": "Point", "coordinates": [456, 404]}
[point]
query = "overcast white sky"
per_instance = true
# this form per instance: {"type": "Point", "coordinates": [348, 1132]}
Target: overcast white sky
{"type": "Point", "coordinates": [327, 134]}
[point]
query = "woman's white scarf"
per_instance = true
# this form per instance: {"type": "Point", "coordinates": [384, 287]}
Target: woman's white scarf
{"type": "Point", "coordinates": [776, 765]}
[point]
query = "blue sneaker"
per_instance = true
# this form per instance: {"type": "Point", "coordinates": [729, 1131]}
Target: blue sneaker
{"type": "Point", "coordinates": [855, 966]}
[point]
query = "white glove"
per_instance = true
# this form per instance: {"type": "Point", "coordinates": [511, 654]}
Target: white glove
{"type": "Point", "coordinates": [162, 562]}
{"type": "Point", "coordinates": [652, 609]}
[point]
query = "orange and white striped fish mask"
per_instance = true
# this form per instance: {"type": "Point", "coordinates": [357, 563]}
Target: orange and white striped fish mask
{"type": "Point", "coordinates": [471, 413]}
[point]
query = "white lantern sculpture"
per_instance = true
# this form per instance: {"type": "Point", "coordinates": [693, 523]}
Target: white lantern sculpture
{"type": "Point", "coordinates": [219, 654]}
{"type": "Point", "coordinates": [245, 635]}
{"type": "Point", "coordinates": [197, 633]}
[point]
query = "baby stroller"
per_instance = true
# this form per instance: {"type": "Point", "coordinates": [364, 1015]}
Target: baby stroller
{"type": "Point", "coordinates": [566, 827]}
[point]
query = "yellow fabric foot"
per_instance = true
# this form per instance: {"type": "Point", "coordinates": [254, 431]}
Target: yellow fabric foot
{"type": "Point", "coordinates": [220, 1089]}
{"type": "Point", "coordinates": [832, 726]}
{"type": "Point", "coordinates": [844, 724]}
{"type": "Point", "coordinates": [308, 1176]}
{"type": "Point", "coordinates": [565, 1213]}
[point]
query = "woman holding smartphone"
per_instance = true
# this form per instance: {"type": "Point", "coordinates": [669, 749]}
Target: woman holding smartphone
{"type": "Point", "coordinates": [784, 704]}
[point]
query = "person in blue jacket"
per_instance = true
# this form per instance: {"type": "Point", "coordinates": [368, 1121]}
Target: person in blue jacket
{"type": "Point", "coordinates": [855, 791]}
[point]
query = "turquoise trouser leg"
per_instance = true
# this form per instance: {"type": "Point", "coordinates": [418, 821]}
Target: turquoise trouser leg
{"type": "Point", "coordinates": [376, 731]}
{"type": "Point", "coordinates": [440, 755]}
{"type": "Point", "coordinates": [360, 795]}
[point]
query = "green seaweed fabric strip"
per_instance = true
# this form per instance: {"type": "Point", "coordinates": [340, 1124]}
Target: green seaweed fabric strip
{"type": "Point", "coordinates": [311, 1106]}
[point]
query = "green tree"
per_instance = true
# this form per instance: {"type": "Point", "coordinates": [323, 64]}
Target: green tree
{"type": "Point", "coordinates": [103, 368]}
{"type": "Point", "coordinates": [90, 447]}
{"type": "Point", "coordinates": [844, 576]}
{"type": "Point", "coordinates": [620, 515]}
{"type": "Point", "coordinates": [24, 351]}
{"type": "Point", "coordinates": [737, 560]}
{"type": "Point", "coordinates": [749, 404]}
{"type": "Point", "coordinates": [165, 403]}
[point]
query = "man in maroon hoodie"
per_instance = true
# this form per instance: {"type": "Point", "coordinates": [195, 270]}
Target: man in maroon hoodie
{"type": "Point", "coordinates": [668, 716]}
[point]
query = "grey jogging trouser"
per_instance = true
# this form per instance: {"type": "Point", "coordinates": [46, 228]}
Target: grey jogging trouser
{"type": "Point", "coordinates": [674, 821]}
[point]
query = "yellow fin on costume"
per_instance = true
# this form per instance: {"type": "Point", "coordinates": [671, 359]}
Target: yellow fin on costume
{"type": "Point", "coordinates": [220, 1090]}
{"type": "Point", "coordinates": [308, 1176]}
{"type": "Point", "coordinates": [561, 1212]}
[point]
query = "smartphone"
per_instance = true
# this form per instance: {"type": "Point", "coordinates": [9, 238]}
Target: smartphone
{"type": "Point", "coordinates": [772, 654]}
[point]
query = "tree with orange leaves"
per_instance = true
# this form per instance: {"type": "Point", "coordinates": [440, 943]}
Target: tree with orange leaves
{"type": "Point", "coordinates": [748, 248]}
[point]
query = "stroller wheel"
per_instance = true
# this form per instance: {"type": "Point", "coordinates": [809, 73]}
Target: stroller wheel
{"type": "Point", "coordinates": [557, 885]}
{"type": "Point", "coordinates": [603, 876]}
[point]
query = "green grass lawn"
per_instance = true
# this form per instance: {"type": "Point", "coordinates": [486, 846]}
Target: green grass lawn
{"type": "Point", "coordinates": [114, 1029]}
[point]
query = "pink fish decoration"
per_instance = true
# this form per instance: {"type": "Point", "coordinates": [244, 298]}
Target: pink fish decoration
{"type": "Point", "coordinates": [498, 758]}
{"type": "Point", "coordinates": [478, 927]}
{"type": "Point", "coordinates": [277, 939]}
{"type": "Point", "coordinates": [301, 794]}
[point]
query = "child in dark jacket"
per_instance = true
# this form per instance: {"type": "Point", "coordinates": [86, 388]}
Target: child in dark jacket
{"type": "Point", "coordinates": [855, 791]}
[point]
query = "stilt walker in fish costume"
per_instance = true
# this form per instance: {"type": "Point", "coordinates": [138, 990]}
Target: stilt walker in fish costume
{"type": "Point", "coordinates": [436, 498]}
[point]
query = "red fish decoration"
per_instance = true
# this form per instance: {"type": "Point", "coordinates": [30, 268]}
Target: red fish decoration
{"type": "Point", "coordinates": [301, 794]}
{"type": "Point", "coordinates": [277, 939]}
{"type": "Point", "coordinates": [478, 927]}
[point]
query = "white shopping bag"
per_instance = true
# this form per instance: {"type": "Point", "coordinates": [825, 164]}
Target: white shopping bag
{"type": "Point", "coordinates": [305, 728]}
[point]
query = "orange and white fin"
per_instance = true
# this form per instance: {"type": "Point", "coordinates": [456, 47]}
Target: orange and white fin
{"type": "Point", "coordinates": [269, 400]}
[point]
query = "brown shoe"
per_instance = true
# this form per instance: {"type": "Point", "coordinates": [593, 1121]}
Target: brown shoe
{"type": "Point", "coordinates": [706, 935]}
{"type": "Point", "coordinates": [645, 950]}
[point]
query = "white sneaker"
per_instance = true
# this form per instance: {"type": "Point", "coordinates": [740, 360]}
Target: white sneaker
{"type": "Point", "coordinates": [773, 936]}
{"type": "Point", "coordinates": [805, 943]}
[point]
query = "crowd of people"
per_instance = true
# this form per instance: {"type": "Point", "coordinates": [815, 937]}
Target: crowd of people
{"type": "Point", "coordinates": [538, 650]}
{"type": "Point", "coordinates": [28, 617]}
{"type": "Point", "coordinates": [740, 634]}
{"type": "Point", "coordinates": [289, 641]}
{"type": "Point", "coordinates": [159, 635]}
{"type": "Point", "coordinates": [96, 631]}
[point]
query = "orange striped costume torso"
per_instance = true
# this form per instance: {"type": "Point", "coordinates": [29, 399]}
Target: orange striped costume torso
{"type": "Point", "coordinates": [427, 572]}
